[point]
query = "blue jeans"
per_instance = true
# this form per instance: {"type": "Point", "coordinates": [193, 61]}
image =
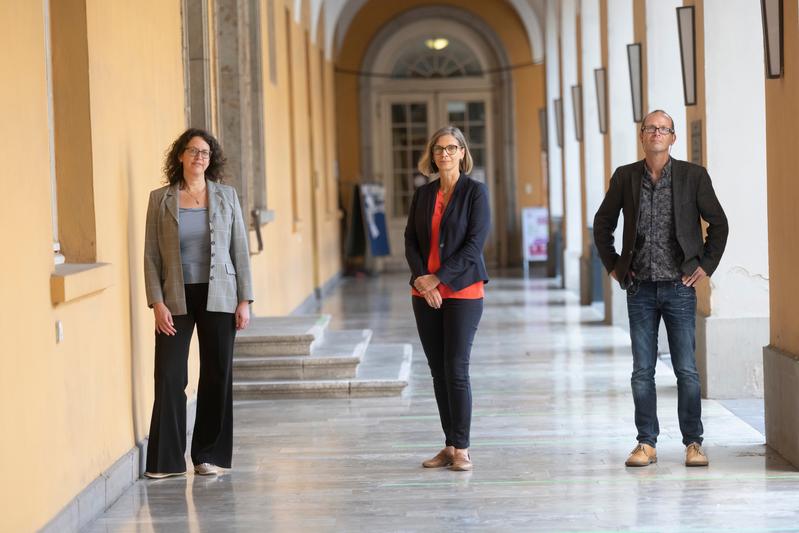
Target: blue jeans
{"type": "Point", "coordinates": [647, 302]}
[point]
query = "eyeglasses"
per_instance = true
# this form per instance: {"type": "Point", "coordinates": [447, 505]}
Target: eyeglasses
{"type": "Point", "coordinates": [193, 152]}
{"type": "Point", "coordinates": [451, 149]}
{"type": "Point", "coordinates": [663, 130]}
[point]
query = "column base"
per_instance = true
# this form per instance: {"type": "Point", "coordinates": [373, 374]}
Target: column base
{"type": "Point", "coordinates": [571, 270]}
{"type": "Point", "coordinates": [728, 355]}
{"type": "Point", "coordinates": [781, 380]}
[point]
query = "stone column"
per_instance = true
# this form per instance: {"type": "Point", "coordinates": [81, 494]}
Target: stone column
{"type": "Point", "coordinates": [733, 317]}
{"type": "Point", "coordinates": [571, 148]}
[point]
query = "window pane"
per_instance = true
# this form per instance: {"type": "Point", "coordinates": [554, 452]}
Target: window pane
{"type": "Point", "coordinates": [478, 156]}
{"type": "Point", "coordinates": [399, 161]}
{"type": "Point", "coordinates": [398, 114]}
{"type": "Point", "coordinates": [418, 137]}
{"type": "Point", "coordinates": [400, 136]}
{"type": "Point", "coordinates": [477, 134]}
{"type": "Point", "coordinates": [477, 111]}
{"type": "Point", "coordinates": [419, 113]}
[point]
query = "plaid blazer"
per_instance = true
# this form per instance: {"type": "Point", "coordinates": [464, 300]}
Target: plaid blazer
{"type": "Point", "coordinates": [230, 281]}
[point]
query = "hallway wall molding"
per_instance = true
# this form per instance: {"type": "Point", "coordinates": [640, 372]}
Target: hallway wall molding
{"type": "Point", "coordinates": [98, 496]}
{"type": "Point", "coordinates": [728, 355]}
{"type": "Point", "coordinates": [781, 381]}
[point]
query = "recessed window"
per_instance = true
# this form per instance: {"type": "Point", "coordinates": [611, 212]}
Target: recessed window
{"type": "Point", "coordinates": [437, 57]}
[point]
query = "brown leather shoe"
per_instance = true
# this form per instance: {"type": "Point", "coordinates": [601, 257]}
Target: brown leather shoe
{"type": "Point", "coordinates": [642, 455]}
{"type": "Point", "coordinates": [461, 462]}
{"type": "Point", "coordinates": [442, 458]}
{"type": "Point", "coordinates": [695, 456]}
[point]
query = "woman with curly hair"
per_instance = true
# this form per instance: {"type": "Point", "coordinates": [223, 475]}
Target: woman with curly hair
{"type": "Point", "coordinates": [197, 273]}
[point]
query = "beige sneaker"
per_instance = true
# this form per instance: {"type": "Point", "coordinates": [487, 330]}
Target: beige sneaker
{"type": "Point", "coordinates": [206, 469]}
{"type": "Point", "coordinates": [695, 456]}
{"type": "Point", "coordinates": [442, 459]}
{"type": "Point", "coordinates": [642, 455]}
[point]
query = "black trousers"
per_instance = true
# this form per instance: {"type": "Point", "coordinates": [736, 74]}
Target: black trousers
{"type": "Point", "coordinates": [212, 441]}
{"type": "Point", "coordinates": [447, 335]}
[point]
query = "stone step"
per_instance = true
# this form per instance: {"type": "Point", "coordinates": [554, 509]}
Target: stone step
{"type": "Point", "coordinates": [337, 356]}
{"type": "Point", "coordinates": [384, 371]}
{"type": "Point", "coordinates": [281, 335]}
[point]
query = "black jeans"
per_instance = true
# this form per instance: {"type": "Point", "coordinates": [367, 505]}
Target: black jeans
{"type": "Point", "coordinates": [212, 441]}
{"type": "Point", "coordinates": [447, 335]}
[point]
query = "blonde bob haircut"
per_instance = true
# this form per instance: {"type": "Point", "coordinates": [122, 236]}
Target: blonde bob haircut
{"type": "Point", "coordinates": [427, 164]}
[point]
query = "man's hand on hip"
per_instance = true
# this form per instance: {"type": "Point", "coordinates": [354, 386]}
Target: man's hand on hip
{"type": "Point", "coordinates": [697, 276]}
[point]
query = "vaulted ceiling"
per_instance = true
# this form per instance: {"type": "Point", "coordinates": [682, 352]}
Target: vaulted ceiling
{"type": "Point", "coordinates": [338, 15]}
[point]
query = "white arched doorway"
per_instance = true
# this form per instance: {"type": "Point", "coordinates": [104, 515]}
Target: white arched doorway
{"type": "Point", "coordinates": [434, 71]}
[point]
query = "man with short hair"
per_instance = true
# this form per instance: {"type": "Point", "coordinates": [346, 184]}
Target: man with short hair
{"type": "Point", "coordinates": [663, 257]}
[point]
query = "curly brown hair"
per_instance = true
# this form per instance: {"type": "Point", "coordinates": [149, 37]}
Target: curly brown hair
{"type": "Point", "coordinates": [173, 168]}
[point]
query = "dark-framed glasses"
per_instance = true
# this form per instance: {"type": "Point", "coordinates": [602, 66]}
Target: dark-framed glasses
{"type": "Point", "coordinates": [663, 130]}
{"type": "Point", "coordinates": [194, 152]}
{"type": "Point", "coordinates": [451, 149]}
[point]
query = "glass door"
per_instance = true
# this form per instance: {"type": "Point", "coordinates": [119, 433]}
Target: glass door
{"type": "Point", "coordinates": [470, 112]}
{"type": "Point", "coordinates": [409, 130]}
{"type": "Point", "coordinates": [404, 121]}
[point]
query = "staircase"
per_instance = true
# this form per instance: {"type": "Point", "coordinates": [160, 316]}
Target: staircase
{"type": "Point", "coordinates": [297, 357]}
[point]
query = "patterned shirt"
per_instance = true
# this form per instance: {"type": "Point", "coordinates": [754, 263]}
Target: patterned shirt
{"type": "Point", "coordinates": [657, 255]}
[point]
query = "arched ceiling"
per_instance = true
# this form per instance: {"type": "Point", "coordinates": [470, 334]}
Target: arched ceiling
{"type": "Point", "coordinates": [339, 15]}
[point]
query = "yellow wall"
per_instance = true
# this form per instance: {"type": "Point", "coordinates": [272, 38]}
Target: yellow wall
{"type": "Point", "coordinates": [782, 107]}
{"type": "Point", "coordinates": [284, 273]}
{"type": "Point", "coordinates": [72, 409]}
{"type": "Point", "coordinates": [528, 88]}
{"type": "Point", "coordinates": [70, 404]}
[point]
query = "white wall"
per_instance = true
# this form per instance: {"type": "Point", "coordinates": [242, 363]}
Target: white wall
{"type": "Point", "coordinates": [621, 129]}
{"type": "Point", "coordinates": [593, 140]}
{"type": "Point", "coordinates": [553, 92]}
{"type": "Point", "coordinates": [571, 148]}
{"type": "Point", "coordinates": [736, 154]}
{"type": "Point", "coordinates": [664, 87]}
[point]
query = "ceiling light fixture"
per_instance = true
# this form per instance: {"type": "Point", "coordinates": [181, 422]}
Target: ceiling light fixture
{"type": "Point", "coordinates": [438, 43]}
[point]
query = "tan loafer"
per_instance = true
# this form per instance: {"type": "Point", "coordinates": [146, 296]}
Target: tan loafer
{"type": "Point", "coordinates": [695, 456]}
{"type": "Point", "coordinates": [642, 455]}
{"type": "Point", "coordinates": [442, 459]}
{"type": "Point", "coordinates": [461, 462]}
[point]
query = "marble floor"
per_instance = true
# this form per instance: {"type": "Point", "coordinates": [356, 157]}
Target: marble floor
{"type": "Point", "coordinates": [552, 425]}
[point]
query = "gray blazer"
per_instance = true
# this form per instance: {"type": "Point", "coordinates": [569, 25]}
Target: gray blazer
{"type": "Point", "coordinates": [230, 281]}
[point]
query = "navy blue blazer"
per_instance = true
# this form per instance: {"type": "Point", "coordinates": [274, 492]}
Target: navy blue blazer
{"type": "Point", "coordinates": [463, 233]}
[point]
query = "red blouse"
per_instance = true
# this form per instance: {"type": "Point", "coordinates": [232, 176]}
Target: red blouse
{"type": "Point", "coordinates": [472, 292]}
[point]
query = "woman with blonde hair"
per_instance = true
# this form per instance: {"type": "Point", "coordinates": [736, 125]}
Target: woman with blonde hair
{"type": "Point", "coordinates": [448, 224]}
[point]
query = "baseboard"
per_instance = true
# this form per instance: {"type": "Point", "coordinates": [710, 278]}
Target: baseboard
{"type": "Point", "coordinates": [310, 304]}
{"type": "Point", "coordinates": [98, 496]}
{"type": "Point", "coordinates": [781, 381]}
{"type": "Point", "coordinates": [729, 355]}
{"type": "Point", "coordinates": [107, 488]}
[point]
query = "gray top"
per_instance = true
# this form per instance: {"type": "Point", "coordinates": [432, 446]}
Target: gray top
{"type": "Point", "coordinates": [657, 255]}
{"type": "Point", "coordinates": [195, 244]}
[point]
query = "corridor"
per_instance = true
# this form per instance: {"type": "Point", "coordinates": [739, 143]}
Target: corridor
{"type": "Point", "coordinates": [553, 423]}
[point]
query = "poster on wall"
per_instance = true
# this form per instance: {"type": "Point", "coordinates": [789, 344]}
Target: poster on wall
{"type": "Point", "coordinates": [373, 206]}
{"type": "Point", "coordinates": [535, 235]}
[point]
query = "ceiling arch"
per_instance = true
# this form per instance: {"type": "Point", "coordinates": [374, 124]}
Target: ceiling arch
{"type": "Point", "coordinates": [338, 15]}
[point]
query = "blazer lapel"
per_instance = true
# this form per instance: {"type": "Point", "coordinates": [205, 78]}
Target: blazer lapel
{"type": "Point", "coordinates": [677, 187]}
{"type": "Point", "coordinates": [214, 200]}
{"type": "Point", "coordinates": [635, 183]}
{"type": "Point", "coordinates": [458, 186]}
{"type": "Point", "coordinates": [171, 200]}
{"type": "Point", "coordinates": [429, 207]}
